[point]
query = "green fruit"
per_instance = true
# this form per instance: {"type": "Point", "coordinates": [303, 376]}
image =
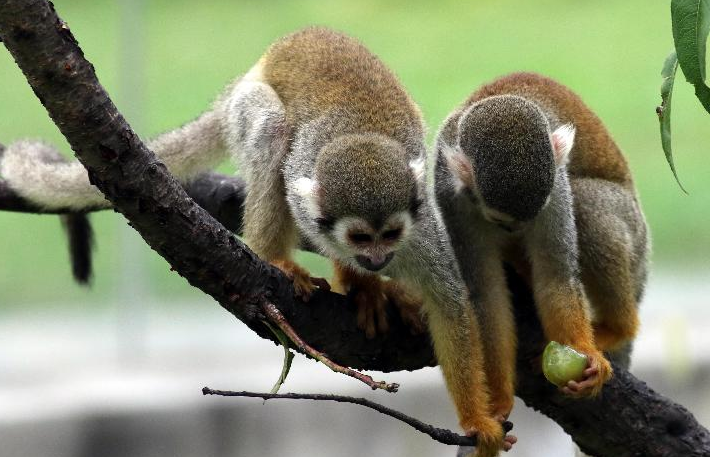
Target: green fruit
{"type": "Point", "coordinates": [561, 364]}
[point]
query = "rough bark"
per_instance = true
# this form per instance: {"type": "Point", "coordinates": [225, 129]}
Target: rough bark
{"type": "Point", "coordinates": [629, 419]}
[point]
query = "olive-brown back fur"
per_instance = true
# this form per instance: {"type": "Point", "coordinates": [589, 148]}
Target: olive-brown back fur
{"type": "Point", "coordinates": [317, 70]}
{"type": "Point", "coordinates": [595, 154]}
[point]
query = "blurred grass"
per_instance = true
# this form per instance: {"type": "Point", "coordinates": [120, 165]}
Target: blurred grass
{"type": "Point", "coordinates": [609, 52]}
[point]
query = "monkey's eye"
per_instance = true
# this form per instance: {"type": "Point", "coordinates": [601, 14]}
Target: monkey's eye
{"type": "Point", "coordinates": [391, 235]}
{"type": "Point", "coordinates": [360, 237]}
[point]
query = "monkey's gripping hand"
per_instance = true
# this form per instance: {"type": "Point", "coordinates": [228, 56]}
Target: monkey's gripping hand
{"type": "Point", "coordinates": [303, 284]}
{"type": "Point", "coordinates": [597, 373]}
{"type": "Point", "coordinates": [371, 295]}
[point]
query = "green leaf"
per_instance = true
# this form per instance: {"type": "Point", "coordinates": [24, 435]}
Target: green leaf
{"type": "Point", "coordinates": [668, 73]}
{"type": "Point", "coordinates": [691, 24]}
{"type": "Point", "coordinates": [288, 357]}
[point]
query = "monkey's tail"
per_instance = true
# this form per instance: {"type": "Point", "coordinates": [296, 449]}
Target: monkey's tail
{"type": "Point", "coordinates": [37, 172]}
{"type": "Point", "coordinates": [81, 244]}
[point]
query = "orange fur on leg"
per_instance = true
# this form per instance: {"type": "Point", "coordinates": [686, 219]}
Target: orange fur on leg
{"type": "Point", "coordinates": [459, 352]}
{"type": "Point", "coordinates": [616, 315]}
{"type": "Point", "coordinates": [611, 334]}
{"type": "Point", "coordinates": [564, 313]}
{"type": "Point", "coordinates": [408, 304]}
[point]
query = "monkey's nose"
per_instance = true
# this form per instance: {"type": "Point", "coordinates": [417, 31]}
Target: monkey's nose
{"type": "Point", "coordinates": [374, 262]}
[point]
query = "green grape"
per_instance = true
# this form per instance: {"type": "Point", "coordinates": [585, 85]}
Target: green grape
{"type": "Point", "coordinates": [561, 364]}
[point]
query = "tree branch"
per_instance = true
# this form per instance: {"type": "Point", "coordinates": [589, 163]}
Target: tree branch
{"type": "Point", "coordinates": [439, 434]}
{"type": "Point", "coordinates": [629, 419]}
{"type": "Point", "coordinates": [275, 316]}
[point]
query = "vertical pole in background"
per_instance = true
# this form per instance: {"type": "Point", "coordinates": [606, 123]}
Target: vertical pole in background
{"type": "Point", "coordinates": [133, 288]}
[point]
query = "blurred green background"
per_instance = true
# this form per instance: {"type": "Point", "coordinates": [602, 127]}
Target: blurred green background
{"type": "Point", "coordinates": [608, 52]}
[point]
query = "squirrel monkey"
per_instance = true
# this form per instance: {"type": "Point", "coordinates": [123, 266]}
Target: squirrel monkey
{"type": "Point", "coordinates": [527, 174]}
{"type": "Point", "coordinates": [333, 150]}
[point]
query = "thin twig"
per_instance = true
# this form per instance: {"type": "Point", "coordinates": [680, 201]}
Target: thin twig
{"type": "Point", "coordinates": [441, 435]}
{"type": "Point", "coordinates": [277, 318]}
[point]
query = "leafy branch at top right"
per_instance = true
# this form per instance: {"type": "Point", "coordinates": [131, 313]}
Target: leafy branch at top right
{"type": "Point", "coordinates": [691, 24]}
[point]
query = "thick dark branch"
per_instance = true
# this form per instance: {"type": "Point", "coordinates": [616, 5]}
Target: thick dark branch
{"type": "Point", "coordinates": [628, 420]}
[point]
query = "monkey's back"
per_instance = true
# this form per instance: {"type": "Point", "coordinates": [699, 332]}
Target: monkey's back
{"type": "Point", "coordinates": [317, 70]}
{"type": "Point", "coordinates": [595, 154]}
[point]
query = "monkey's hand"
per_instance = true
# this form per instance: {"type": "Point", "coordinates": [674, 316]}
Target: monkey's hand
{"type": "Point", "coordinates": [490, 437]}
{"type": "Point", "coordinates": [303, 284]}
{"type": "Point", "coordinates": [371, 294]}
{"type": "Point", "coordinates": [408, 304]}
{"type": "Point", "coordinates": [598, 372]}
{"type": "Point", "coordinates": [368, 293]}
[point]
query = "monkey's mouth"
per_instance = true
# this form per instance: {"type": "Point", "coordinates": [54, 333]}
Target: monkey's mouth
{"type": "Point", "coordinates": [374, 263]}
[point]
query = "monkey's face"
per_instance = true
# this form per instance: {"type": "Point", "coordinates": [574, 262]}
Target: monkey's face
{"type": "Point", "coordinates": [369, 247]}
{"type": "Point", "coordinates": [363, 198]}
{"type": "Point", "coordinates": [362, 239]}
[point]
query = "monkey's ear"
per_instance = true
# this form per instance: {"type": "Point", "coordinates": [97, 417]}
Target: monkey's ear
{"type": "Point", "coordinates": [307, 188]}
{"type": "Point", "coordinates": [460, 168]}
{"type": "Point", "coordinates": [418, 169]}
{"type": "Point", "coordinates": [562, 142]}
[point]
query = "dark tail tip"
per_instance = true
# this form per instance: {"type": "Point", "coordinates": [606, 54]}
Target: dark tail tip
{"type": "Point", "coordinates": [81, 243]}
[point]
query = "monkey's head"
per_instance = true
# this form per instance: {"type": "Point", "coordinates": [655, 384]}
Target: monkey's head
{"type": "Point", "coordinates": [363, 199]}
{"type": "Point", "coordinates": [507, 157]}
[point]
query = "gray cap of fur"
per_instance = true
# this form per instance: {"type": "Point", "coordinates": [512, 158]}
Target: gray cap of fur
{"type": "Point", "coordinates": [364, 176]}
{"type": "Point", "coordinates": [508, 141]}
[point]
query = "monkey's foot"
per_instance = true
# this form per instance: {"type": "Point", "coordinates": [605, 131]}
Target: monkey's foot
{"type": "Point", "coordinates": [408, 304]}
{"type": "Point", "coordinates": [490, 437]}
{"type": "Point", "coordinates": [609, 339]}
{"type": "Point", "coordinates": [501, 407]}
{"type": "Point", "coordinates": [598, 372]}
{"type": "Point", "coordinates": [368, 295]}
{"type": "Point", "coordinates": [303, 286]}
{"type": "Point", "coordinates": [371, 305]}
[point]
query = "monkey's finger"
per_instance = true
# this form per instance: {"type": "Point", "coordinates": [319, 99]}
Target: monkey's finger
{"type": "Point", "coordinates": [302, 287]}
{"type": "Point", "coordinates": [361, 313]}
{"type": "Point", "coordinates": [585, 387]}
{"type": "Point", "coordinates": [508, 442]}
{"type": "Point", "coordinates": [591, 371]}
{"type": "Point", "coordinates": [572, 388]}
{"type": "Point", "coordinates": [382, 325]}
{"type": "Point", "coordinates": [321, 283]}
{"type": "Point", "coordinates": [370, 321]}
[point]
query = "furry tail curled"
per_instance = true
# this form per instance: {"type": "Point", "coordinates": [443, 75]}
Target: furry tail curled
{"type": "Point", "coordinates": [37, 172]}
{"type": "Point", "coordinates": [77, 225]}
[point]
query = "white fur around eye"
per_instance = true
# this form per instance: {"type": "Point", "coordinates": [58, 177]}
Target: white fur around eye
{"type": "Point", "coordinates": [407, 224]}
{"type": "Point", "coordinates": [343, 225]}
{"type": "Point", "coordinates": [562, 142]}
